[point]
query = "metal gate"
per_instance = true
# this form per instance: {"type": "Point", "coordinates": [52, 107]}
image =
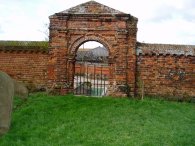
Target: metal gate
{"type": "Point", "coordinates": [91, 79]}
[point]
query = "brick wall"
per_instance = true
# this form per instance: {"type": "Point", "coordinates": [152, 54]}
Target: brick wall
{"type": "Point", "coordinates": [27, 66]}
{"type": "Point", "coordinates": [104, 70]}
{"type": "Point", "coordinates": [166, 75]}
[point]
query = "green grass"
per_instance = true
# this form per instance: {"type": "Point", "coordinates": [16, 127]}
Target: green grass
{"type": "Point", "coordinates": [83, 121]}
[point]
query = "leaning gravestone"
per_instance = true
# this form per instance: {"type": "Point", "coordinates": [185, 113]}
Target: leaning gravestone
{"type": "Point", "coordinates": [8, 88]}
{"type": "Point", "coordinates": [6, 99]}
{"type": "Point", "coordinates": [20, 90]}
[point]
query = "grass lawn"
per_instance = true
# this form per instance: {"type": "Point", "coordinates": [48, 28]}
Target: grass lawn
{"type": "Point", "coordinates": [46, 120]}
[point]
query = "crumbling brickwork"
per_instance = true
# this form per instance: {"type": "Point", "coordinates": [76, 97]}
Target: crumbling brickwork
{"type": "Point", "coordinates": [168, 75]}
{"type": "Point", "coordinates": [92, 21]}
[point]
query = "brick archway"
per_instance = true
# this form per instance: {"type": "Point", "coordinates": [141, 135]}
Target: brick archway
{"type": "Point", "coordinates": [92, 21]}
{"type": "Point", "coordinates": [89, 37]}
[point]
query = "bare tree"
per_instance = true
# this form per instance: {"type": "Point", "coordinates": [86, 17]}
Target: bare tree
{"type": "Point", "coordinates": [45, 31]}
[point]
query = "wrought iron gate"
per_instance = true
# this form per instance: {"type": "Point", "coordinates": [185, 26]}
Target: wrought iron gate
{"type": "Point", "coordinates": [91, 79]}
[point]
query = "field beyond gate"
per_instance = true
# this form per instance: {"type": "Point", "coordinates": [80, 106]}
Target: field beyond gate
{"type": "Point", "coordinates": [45, 120]}
{"type": "Point", "coordinates": [91, 79]}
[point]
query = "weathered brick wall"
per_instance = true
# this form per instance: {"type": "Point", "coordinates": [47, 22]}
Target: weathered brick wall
{"type": "Point", "coordinates": [27, 66]}
{"type": "Point", "coordinates": [166, 75]}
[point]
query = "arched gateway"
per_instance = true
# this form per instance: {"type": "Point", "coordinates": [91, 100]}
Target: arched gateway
{"type": "Point", "coordinates": [92, 21]}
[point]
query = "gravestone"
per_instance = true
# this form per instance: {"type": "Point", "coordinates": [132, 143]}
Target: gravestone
{"type": "Point", "coordinates": [6, 99]}
{"type": "Point", "coordinates": [9, 88]}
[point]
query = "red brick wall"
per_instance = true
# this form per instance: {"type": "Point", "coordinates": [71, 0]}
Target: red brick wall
{"type": "Point", "coordinates": [104, 70]}
{"type": "Point", "coordinates": [166, 75]}
{"type": "Point", "coordinates": [159, 75]}
{"type": "Point", "coordinates": [29, 67]}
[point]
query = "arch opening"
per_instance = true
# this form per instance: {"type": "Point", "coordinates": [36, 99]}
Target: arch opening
{"type": "Point", "coordinates": [91, 39]}
{"type": "Point", "coordinates": [92, 69]}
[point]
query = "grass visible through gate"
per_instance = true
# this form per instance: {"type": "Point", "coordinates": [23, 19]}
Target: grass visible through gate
{"type": "Point", "coordinates": [97, 92]}
{"type": "Point", "coordinates": [46, 120]}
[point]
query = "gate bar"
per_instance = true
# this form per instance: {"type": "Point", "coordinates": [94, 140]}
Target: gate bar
{"type": "Point", "coordinates": [101, 77]}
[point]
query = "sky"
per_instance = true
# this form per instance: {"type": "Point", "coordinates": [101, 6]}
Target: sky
{"type": "Point", "coordinates": [159, 21]}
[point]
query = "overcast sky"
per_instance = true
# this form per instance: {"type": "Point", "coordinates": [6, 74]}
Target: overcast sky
{"type": "Point", "coordinates": [159, 21]}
